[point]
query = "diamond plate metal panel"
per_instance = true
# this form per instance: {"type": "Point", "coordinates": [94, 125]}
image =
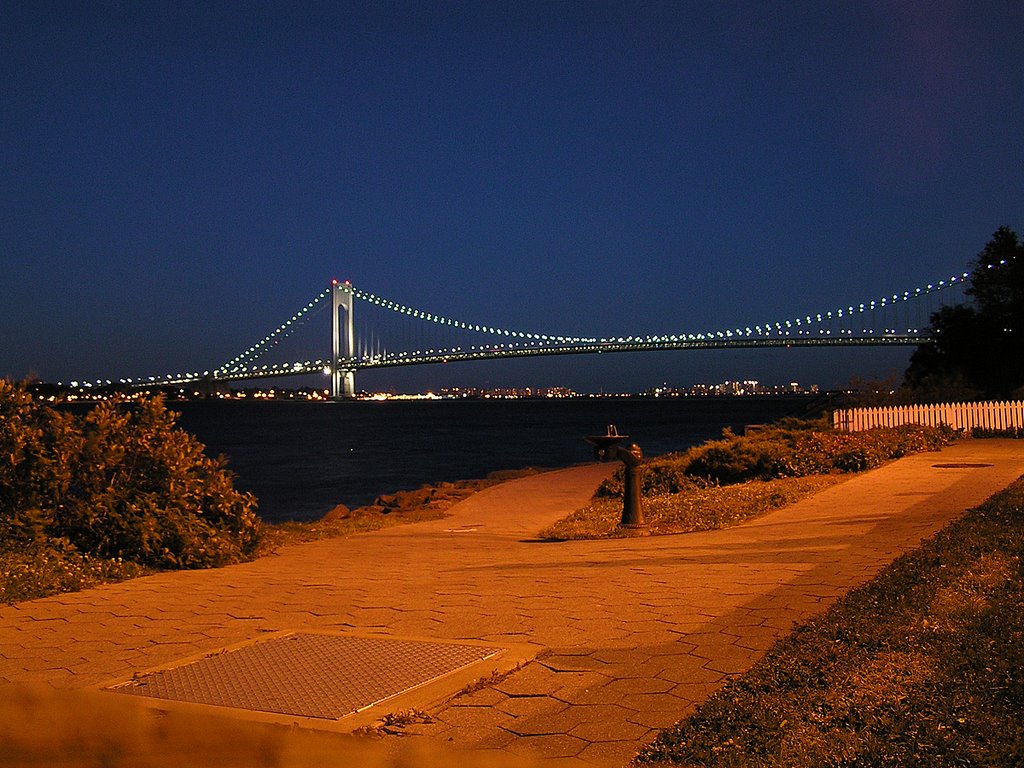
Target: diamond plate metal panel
{"type": "Point", "coordinates": [308, 675]}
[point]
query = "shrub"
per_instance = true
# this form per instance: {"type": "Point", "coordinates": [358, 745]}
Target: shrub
{"type": "Point", "coordinates": [736, 459]}
{"type": "Point", "coordinates": [662, 475]}
{"type": "Point", "coordinates": [38, 448]}
{"type": "Point", "coordinates": [789, 452]}
{"type": "Point", "coordinates": [788, 449]}
{"type": "Point", "coordinates": [120, 482]}
{"type": "Point", "coordinates": [1015, 433]}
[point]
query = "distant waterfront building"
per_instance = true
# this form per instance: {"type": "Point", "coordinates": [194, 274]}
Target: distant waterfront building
{"type": "Point", "coordinates": [743, 388]}
{"type": "Point", "coordinates": [507, 393]}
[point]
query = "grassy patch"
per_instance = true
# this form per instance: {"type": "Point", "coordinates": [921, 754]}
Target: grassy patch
{"type": "Point", "coordinates": [43, 570]}
{"type": "Point", "coordinates": [923, 666]}
{"type": "Point", "coordinates": [693, 509]}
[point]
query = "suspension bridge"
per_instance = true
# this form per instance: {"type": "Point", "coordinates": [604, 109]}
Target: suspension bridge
{"type": "Point", "coordinates": [390, 334]}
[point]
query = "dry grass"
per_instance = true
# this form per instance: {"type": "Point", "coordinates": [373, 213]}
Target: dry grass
{"type": "Point", "coordinates": [694, 509]}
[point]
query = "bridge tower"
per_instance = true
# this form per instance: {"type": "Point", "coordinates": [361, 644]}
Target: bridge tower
{"type": "Point", "coordinates": [343, 375]}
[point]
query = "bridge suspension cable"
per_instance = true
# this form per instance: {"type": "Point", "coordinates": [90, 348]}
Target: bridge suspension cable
{"type": "Point", "coordinates": [814, 323]}
{"type": "Point", "coordinates": [244, 360]}
{"type": "Point", "coordinates": [441, 320]}
{"type": "Point", "coordinates": [380, 346]}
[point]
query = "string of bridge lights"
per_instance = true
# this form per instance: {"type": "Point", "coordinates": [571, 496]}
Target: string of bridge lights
{"type": "Point", "coordinates": [439, 320]}
{"type": "Point", "coordinates": [242, 366]}
{"type": "Point", "coordinates": [797, 325]}
{"type": "Point", "coordinates": [282, 331]}
{"type": "Point", "coordinates": [785, 327]}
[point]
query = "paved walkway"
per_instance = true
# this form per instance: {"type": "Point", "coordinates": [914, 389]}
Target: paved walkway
{"type": "Point", "coordinates": [632, 634]}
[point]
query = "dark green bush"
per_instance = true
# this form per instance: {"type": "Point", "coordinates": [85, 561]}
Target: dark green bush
{"type": "Point", "coordinates": [1015, 433]}
{"type": "Point", "coordinates": [736, 459]}
{"type": "Point", "coordinates": [796, 453]}
{"type": "Point", "coordinates": [789, 449]}
{"type": "Point", "coordinates": [661, 475]}
{"type": "Point", "coordinates": [38, 449]}
{"type": "Point", "coordinates": [120, 482]}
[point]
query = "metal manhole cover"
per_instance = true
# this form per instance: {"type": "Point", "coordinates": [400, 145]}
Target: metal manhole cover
{"type": "Point", "coordinates": [309, 675]}
{"type": "Point", "coordinates": [960, 465]}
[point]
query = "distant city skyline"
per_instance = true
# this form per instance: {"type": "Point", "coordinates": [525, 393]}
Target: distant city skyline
{"type": "Point", "coordinates": [88, 391]}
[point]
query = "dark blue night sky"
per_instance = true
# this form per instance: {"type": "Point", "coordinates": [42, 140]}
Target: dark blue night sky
{"type": "Point", "coordinates": [180, 177]}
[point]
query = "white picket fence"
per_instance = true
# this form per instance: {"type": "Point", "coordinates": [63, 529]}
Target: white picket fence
{"type": "Point", "coordinates": [961, 416]}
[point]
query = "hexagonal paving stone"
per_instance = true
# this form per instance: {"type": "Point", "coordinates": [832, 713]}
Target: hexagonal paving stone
{"type": "Point", "coordinates": [732, 661]}
{"type": "Point", "coordinates": [486, 738]}
{"type": "Point", "coordinates": [640, 685]}
{"type": "Point", "coordinates": [575, 716]}
{"type": "Point", "coordinates": [660, 719]}
{"type": "Point", "coordinates": [532, 680]}
{"type": "Point", "coordinates": [578, 682]}
{"type": "Point", "coordinates": [485, 697]}
{"type": "Point", "coordinates": [466, 717]}
{"type": "Point", "coordinates": [634, 658]}
{"type": "Point", "coordinates": [563, 663]}
{"type": "Point", "coordinates": [598, 695]}
{"type": "Point", "coordinates": [643, 702]}
{"type": "Point", "coordinates": [548, 745]}
{"type": "Point", "coordinates": [617, 730]}
{"type": "Point", "coordinates": [609, 753]}
{"type": "Point", "coordinates": [530, 706]}
{"type": "Point", "coordinates": [687, 669]}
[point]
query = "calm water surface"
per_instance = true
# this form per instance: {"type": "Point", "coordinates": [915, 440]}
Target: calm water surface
{"type": "Point", "coordinates": [302, 458]}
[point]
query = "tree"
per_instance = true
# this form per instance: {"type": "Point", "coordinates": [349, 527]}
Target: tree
{"type": "Point", "coordinates": [978, 348]}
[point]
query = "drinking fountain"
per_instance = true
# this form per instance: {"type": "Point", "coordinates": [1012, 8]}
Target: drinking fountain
{"type": "Point", "coordinates": [607, 448]}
